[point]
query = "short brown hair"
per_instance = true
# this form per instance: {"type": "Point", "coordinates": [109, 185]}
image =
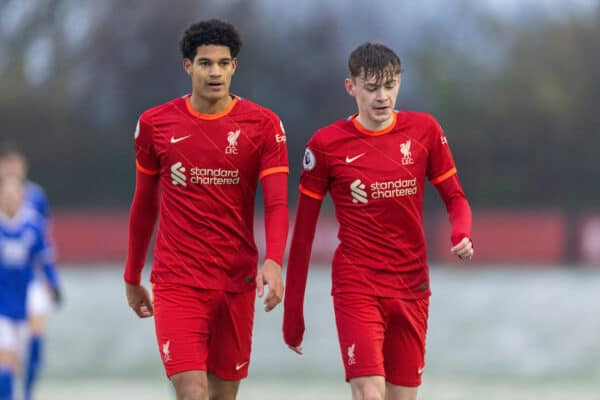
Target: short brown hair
{"type": "Point", "coordinates": [373, 59]}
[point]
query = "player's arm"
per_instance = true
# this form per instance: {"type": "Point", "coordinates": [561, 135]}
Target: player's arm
{"type": "Point", "coordinates": [142, 218]}
{"type": "Point", "coordinates": [275, 196]}
{"type": "Point", "coordinates": [49, 269]}
{"type": "Point", "coordinates": [47, 261]}
{"type": "Point", "coordinates": [442, 173]}
{"type": "Point", "coordinates": [273, 176]}
{"type": "Point", "coordinates": [313, 187]}
{"type": "Point", "coordinates": [305, 226]}
{"type": "Point", "coordinates": [459, 214]}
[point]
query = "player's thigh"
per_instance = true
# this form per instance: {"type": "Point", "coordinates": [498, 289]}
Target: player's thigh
{"type": "Point", "coordinates": [183, 316]}
{"type": "Point", "coordinates": [404, 345]}
{"type": "Point", "coordinates": [231, 337]}
{"type": "Point", "coordinates": [361, 330]}
{"type": "Point", "coordinates": [38, 299]}
{"type": "Point", "coordinates": [190, 385]}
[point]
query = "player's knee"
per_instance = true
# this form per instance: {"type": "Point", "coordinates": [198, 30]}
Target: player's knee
{"type": "Point", "coordinates": [37, 325]}
{"type": "Point", "coordinates": [372, 395]}
{"type": "Point", "coordinates": [223, 396]}
{"type": "Point", "coordinates": [222, 390]}
{"type": "Point", "coordinates": [367, 392]}
{"type": "Point", "coordinates": [191, 390]}
{"type": "Point", "coordinates": [8, 360]}
{"type": "Point", "coordinates": [368, 388]}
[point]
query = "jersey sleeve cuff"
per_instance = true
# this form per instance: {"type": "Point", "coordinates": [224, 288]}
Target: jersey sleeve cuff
{"type": "Point", "coordinates": [444, 176]}
{"type": "Point", "coordinates": [274, 170]}
{"type": "Point", "coordinates": [310, 193]}
{"type": "Point", "coordinates": [132, 280]}
{"type": "Point", "coordinates": [145, 170]}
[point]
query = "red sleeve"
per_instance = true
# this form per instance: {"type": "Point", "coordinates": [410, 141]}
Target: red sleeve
{"type": "Point", "coordinates": [440, 164]}
{"type": "Point", "coordinates": [275, 194]}
{"type": "Point", "coordinates": [297, 269]}
{"type": "Point", "coordinates": [144, 210]}
{"type": "Point", "coordinates": [145, 157]}
{"type": "Point", "coordinates": [314, 181]}
{"type": "Point", "coordinates": [459, 211]}
{"type": "Point", "coordinates": [274, 157]}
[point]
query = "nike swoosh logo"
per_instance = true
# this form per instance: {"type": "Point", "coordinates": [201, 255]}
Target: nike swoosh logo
{"type": "Point", "coordinates": [240, 366]}
{"type": "Point", "coordinates": [173, 140]}
{"type": "Point", "coordinates": [351, 160]}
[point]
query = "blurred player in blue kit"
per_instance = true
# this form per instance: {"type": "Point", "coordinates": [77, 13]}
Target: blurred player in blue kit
{"type": "Point", "coordinates": [42, 290]}
{"type": "Point", "coordinates": [22, 247]}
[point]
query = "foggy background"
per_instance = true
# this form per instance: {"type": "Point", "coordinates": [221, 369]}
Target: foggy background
{"type": "Point", "coordinates": [515, 84]}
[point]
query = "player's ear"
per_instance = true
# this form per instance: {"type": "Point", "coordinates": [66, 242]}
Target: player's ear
{"type": "Point", "coordinates": [187, 66]}
{"type": "Point", "coordinates": [350, 87]}
{"type": "Point", "coordinates": [234, 63]}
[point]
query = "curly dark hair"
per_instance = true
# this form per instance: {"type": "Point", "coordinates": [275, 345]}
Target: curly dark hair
{"type": "Point", "coordinates": [211, 31]}
{"type": "Point", "coordinates": [373, 59]}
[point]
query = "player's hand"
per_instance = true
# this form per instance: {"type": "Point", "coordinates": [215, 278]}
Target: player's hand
{"type": "Point", "coordinates": [270, 275]}
{"type": "Point", "coordinates": [56, 295]}
{"type": "Point", "coordinates": [293, 328]}
{"type": "Point", "coordinates": [139, 300]}
{"type": "Point", "coordinates": [464, 249]}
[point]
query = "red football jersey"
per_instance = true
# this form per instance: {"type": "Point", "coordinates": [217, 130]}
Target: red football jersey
{"type": "Point", "coordinates": [376, 180]}
{"type": "Point", "coordinates": [209, 166]}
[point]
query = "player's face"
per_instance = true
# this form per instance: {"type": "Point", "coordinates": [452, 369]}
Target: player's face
{"type": "Point", "coordinates": [211, 71]}
{"type": "Point", "coordinates": [11, 195]}
{"type": "Point", "coordinates": [375, 100]}
{"type": "Point", "coordinates": [13, 165]}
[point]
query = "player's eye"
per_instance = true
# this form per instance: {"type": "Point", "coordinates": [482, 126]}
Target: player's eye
{"type": "Point", "coordinates": [204, 63]}
{"type": "Point", "coordinates": [225, 62]}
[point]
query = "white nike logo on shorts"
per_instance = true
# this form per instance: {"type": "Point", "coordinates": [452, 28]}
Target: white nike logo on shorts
{"type": "Point", "coordinates": [240, 366]}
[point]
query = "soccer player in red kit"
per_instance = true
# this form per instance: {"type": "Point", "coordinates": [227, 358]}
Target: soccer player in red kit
{"type": "Point", "coordinates": [199, 158]}
{"type": "Point", "coordinates": [374, 165]}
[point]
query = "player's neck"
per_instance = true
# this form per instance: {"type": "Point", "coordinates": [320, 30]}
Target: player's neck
{"type": "Point", "coordinates": [210, 107]}
{"type": "Point", "coordinates": [8, 214]}
{"type": "Point", "coordinates": [371, 125]}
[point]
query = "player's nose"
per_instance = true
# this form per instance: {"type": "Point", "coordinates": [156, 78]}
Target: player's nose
{"type": "Point", "coordinates": [214, 71]}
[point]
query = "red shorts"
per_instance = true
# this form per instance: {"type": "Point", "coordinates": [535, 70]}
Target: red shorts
{"type": "Point", "coordinates": [208, 330]}
{"type": "Point", "coordinates": [382, 336]}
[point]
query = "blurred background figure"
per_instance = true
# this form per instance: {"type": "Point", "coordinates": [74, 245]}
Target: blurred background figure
{"type": "Point", "coordinates": [22, 248]}
{"type": "Point", "coordinates": [44, 288]}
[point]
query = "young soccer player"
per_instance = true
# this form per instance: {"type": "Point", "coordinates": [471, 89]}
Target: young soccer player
{"type": "Point", "coordinates": [42, 289]}
{"type": "Point", "coordinates": [374, 165]}
{"type": "Point", "coordinates": [199, 158]}
{"type": "Point", "coordinates": [22, 247]}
